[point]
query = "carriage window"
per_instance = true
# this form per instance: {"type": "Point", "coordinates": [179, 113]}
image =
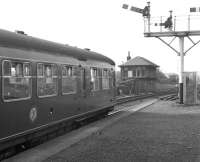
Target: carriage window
{"type": "Point", "coordinates": [47, 80]}
{"type": "Point", "coordinates": [94, 79]}
{"type": "Point", "coordinates": [68, 80]}
{"type": "Point", "coordinates": [105, 79]}
{"type": "Point", "coordinates": [16, 80]}
{"type": "Point", "coordinates": [40, 70]}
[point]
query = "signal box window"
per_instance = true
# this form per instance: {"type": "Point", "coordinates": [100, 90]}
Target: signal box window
{"type": "Point", "coordinates": [142, 73]}
{"type": "Point", "coordinates": [105, 79]}
{"type": "Point", "coordinates": [134, 73]}
{"type": "Point", "coordinates": [130, 74]}
{"type": "Point", "coordinates": [94, 79]}
{"type": "Point", "coordinates": [16, 80]}
{"type": "Point", "coordinates": [47, 80]}
{"type": "Point", "coordinates": [138, 73]}
{"type": "Point", "coordinates": [68, 80]}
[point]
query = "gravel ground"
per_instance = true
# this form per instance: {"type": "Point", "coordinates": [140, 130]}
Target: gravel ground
{"type": "Point", "coordinates": [162, 132]}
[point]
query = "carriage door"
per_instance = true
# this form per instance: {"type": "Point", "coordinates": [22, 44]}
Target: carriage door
{"type": "Point", "coordinates": [82, 92]}
{"type": "Point", "coordinates": [83, 83]}
{"type": "Point", "coordinates": [17, 97]}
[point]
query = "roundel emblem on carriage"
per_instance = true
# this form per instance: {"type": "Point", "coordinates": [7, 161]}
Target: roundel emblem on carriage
{"type": "Point", "coordinates": [33, 114]}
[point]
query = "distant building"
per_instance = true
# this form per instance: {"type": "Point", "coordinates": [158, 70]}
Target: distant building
{"type": "Point", "coordinates": [138, 75]}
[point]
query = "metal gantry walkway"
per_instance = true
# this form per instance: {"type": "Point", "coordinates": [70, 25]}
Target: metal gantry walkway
{"type": "Point", "coordinates": [173, 33]}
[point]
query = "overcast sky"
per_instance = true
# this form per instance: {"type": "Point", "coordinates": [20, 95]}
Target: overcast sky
{"type": "Point", "coordinates": [101, 25]}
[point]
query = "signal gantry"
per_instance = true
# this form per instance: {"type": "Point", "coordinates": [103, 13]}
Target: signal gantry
{"type": "Point", "coordinates": [172, 26]}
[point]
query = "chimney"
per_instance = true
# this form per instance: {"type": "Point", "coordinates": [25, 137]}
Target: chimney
{"type": "Point", "coordinates": [129, 56]}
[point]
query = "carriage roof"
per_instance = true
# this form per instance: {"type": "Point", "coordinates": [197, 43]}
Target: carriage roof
{"type": "Point", "coordinates": [22, 41]}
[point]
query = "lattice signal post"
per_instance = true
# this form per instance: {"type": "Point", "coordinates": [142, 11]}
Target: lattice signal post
{"type": "Point", "coordinates": [171, 27]}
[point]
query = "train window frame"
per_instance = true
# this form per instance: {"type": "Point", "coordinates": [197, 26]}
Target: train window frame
{"type": "Point", "coordinates": [43, 76]}
{"type": "Point", "coordinates": [105, 75]}
{"type": "Point", "coordinates": [97, 77]}
{"type": "Point", "coordinates": [71, 75]}
{"type": "Point", "coordinates": [23, 62]}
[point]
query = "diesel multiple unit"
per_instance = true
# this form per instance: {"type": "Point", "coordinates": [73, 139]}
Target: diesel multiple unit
{"type": "Point", "coordinates": [44, 85]}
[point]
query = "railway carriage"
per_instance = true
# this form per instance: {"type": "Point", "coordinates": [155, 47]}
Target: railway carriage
{"type": "Point", "coordinates": [44, 85]}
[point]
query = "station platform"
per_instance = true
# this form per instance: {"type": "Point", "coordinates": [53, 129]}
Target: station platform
{"type": "Point", "coordinates": [152, 130]}
{"type": "Point", "coordinates": [162, 132]}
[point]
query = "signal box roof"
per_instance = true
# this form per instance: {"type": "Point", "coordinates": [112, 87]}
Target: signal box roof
{"type": "Point", "coordinates": [139, 61]}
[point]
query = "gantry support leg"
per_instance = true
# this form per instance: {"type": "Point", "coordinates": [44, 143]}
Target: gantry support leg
{"type": "Point", "coordinates": [181, 53]}
{"type": "Point", "coordinates": [181, 44]}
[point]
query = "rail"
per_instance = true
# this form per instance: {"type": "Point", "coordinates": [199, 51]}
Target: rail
{"type": "Point", "coordinates": [124, 99]}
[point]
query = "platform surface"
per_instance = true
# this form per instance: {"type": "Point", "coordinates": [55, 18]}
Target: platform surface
{"type": "Point", "coordinates": [162, 132]}
{"type": "Point", "coordinates": [54, 146]}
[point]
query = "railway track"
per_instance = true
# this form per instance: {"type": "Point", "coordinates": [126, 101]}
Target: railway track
{"type": "Point", "coordinates": [170, 97]}
{"type": "Point", "coordinates": [75, 125]}
{"type": "Point", "coordinates": [124, 99]}
{"type": "Point", "coordinates": [160, 95]}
